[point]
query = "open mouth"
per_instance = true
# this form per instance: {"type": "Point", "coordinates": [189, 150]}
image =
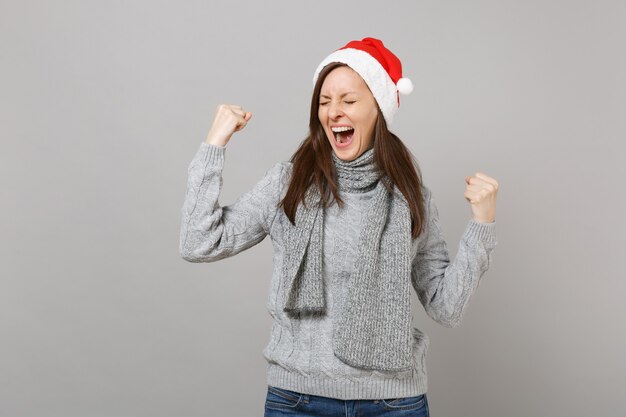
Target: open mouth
{"type": "Point", "coordinates": [343, 134]}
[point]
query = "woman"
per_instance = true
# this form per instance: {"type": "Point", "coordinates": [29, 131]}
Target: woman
{"type": "Point", "coordinates": [352, 226]}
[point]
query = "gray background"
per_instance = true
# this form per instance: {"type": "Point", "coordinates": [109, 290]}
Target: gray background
{"type": "Point", "coordinates": [103, 105]}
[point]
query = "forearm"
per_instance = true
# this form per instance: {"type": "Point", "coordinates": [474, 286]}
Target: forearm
{"type": "Point", "coordinates": [451, 284]}
{"type": "Point", "coordinates": [201, 228]}
{"type": "Point", "coordinates": [210, 232]}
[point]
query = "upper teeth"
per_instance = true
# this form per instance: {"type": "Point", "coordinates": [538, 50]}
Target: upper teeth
{"type": "Point", "coordinates": [341, 129]}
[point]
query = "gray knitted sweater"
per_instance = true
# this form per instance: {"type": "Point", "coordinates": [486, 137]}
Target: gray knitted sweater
{"type": "Point", "coordinates": [299, 354]}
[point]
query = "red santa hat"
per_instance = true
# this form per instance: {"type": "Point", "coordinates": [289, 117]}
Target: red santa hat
{"type": "Point", "coordinates": [380, 69]}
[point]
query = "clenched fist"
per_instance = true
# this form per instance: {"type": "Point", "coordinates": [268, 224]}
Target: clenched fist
{"type": "Point", "coordinates": [481, 192]}
{"type": "Point", "coordinates": [229, 118]}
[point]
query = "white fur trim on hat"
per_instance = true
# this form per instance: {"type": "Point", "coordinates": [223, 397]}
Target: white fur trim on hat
{"type": "Point", "coordinates": [377, 79]}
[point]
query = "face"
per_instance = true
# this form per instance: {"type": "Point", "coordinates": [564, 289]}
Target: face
{"type": "Point", "coordinates": [348, 112]}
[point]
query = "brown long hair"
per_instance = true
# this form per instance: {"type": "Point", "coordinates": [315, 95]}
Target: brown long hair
{"type": "Point", "coordinates": [312, 163]}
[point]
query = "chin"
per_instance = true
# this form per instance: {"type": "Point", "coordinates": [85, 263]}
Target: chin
{"type": "Point", "coordinates": [347, 154]}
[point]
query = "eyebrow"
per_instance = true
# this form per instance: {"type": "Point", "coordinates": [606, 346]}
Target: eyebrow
{"type": "Point", "coordinates": [344, 94]}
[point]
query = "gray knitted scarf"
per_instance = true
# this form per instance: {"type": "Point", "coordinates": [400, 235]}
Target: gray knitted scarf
{"type": "Point", "coordinates": [374, 331]}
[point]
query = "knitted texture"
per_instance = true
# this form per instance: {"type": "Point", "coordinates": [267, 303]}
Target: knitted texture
{"type": "Point", "coordinates": [374, 331]}
{"type": "Point", "coordinates": [300, 354]}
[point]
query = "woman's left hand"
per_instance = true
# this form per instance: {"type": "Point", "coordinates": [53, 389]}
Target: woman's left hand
{"type": "Point", "coordinates": [481, 192]}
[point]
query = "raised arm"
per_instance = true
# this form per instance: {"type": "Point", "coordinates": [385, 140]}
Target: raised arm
{"type": "Point", "coordinates": [443, 287]}
{"type": "Point", "coordinates": [210, 232]}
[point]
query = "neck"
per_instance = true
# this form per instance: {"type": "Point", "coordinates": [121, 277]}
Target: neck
{"type": "Point", "coordinates": [359, 175]}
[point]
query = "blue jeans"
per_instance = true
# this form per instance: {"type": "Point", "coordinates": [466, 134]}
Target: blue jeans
{"type": "Point", "coordinates": [282, 402]}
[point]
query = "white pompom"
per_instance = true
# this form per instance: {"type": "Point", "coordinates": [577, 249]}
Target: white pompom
{"type": "Point", "coordinates": [405, 86]}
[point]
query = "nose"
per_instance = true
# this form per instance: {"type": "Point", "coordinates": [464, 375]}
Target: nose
{"type": "Point", "coordinates": [335, 111]}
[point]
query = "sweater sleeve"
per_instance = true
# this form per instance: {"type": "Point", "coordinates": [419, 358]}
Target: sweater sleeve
{"type": "Point", "coordinates": [443, 287]}
{"type": "Point", "coordinates": [210, 232]}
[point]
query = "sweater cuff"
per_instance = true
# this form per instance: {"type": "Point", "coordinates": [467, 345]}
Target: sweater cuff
{"type": "Point", "coordinates": [477, 231]}
{"type": "Point", "coordinates": [212, 155]}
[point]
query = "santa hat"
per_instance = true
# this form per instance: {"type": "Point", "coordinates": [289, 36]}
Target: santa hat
{"type": "Point", "coordinates": [380, 69]}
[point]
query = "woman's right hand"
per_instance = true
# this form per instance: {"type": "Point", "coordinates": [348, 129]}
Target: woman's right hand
{"type": "Point", "coordinates": [229, 118]}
